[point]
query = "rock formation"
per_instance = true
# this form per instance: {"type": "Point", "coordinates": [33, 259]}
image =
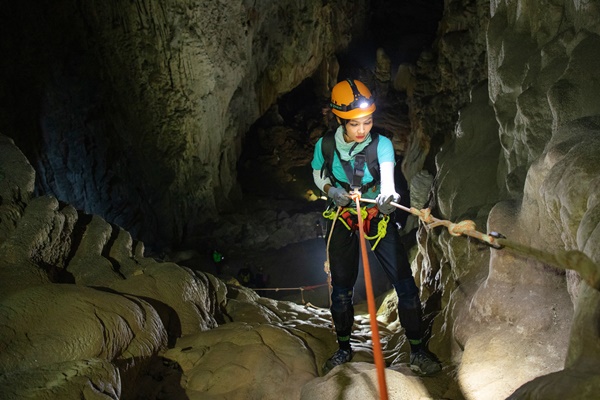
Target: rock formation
{"type": "Point", "coordinates": [520, 163]}
{"type": "Point", "coordinates": [132, 97]}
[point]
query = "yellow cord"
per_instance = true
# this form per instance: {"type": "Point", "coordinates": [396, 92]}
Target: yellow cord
{"type": "Point", "coordinates": [381, 225]}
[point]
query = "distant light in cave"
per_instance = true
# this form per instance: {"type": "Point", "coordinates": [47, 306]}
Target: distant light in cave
{"type": "Point", "coordinates": [311, 196]}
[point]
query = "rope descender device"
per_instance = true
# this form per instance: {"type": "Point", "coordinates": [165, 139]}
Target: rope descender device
{"type": "Point", "coordinates": [355, 194]}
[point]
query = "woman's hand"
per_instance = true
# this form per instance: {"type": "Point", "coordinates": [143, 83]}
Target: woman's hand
{"type": "Point", "coordinates": [340, 197]}
{"type": "Point", "coordinates": [384, 202]}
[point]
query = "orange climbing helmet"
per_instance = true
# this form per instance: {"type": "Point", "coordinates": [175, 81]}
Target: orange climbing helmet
{"type": "Point", "coordinates": [351, 99]}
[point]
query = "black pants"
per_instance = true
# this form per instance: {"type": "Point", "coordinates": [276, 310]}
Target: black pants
{"type": "Point", "coordinates": [344, 253]}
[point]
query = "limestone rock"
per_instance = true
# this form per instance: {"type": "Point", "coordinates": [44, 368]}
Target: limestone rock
{"type": "Point", "coordinates": [88, 265]}
{"type": "Point", "coordinates": [546, 174]}
{"type": "Point", "coordinates": [41, 238]}
{"type": "Point", "coordinates": [93, 379]}
{"type": "Point", "coordinates": [444, 75]}
{"type": "Point", "coordinates": [95, 340]}
{"type": "Point", "coordinates": [17, 179]}
{"type": "Point", "coordinates": [469, 162]}
{"type": "Point", "coordinates": [268, 360]}
{"type": "Point", "coordinates": [383, 66]}
{"type": "Point", "coordinates": [359, 380]}
{"type": "Point", "coordinates": [578, 380]}
{"type": "Point", "coordinates": [183, 300]}
{"type": "Point", "coordinates": [198, 76]}
{"type": "Point", "coordinates": [404, 80]}
{"type": "Point", "coordinates": [52, 323]}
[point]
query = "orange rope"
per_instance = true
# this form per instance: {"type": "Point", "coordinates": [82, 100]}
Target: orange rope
{"type": "Point", "coordinates": [377, 352]}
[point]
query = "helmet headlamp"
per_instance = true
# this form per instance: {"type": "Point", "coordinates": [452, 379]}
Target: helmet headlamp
{"type": "Point", "coordinates": [360, 101]}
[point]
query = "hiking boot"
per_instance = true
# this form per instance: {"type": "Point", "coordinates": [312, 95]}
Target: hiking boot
{"type": "Point", "coordinates": [423, 362]}
{"type": "Point", "coordinates": [340, 357]}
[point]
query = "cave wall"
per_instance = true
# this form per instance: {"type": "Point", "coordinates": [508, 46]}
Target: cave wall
{"type": "Point", "coordinates": [441, 81]}
{"type": "Point", "coordinates": [521, 160]}
{"type": "Point", "coordinates": [136, 111]}
{"type": "Point", "coordinates": [512, 103]}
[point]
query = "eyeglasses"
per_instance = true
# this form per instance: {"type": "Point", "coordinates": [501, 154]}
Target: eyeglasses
{"type": "Point", "coordinates": [360, 101]}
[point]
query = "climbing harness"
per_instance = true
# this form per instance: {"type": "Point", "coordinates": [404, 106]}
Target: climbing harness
{"type": "Point", "coordinates": [349, 217]}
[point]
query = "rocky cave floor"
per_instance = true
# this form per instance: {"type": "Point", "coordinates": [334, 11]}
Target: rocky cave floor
{"type": "Point", "coordinates": [301, 265]}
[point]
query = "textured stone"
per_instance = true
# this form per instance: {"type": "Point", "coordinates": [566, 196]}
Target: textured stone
{"type": "Point", "coordinates": [512, 315]}
{"type": "Point", "coordinates": [28, 245]}
{"type": "Point", "coordinates": [88, 265]}
{"type": "Point", "coordinates": [469, 162]}
{"type": "Point", "coordinates": [444, 76]}
{"type": "Point", "coordinates": [383, 67]}
{"type": "Point", "coordinates": [53, 323]}
{"type": "Point", "coordinates": [93, 379]}
{"type": "Point", "coordinates": [181, 298]}
{"type": "Point", "coordinates": [360, 381]}
{"type": "Point", "coordinates": [145, 95]}
{"type": "Point", "coordinates": [405, 79]}
{"type": "Point", "coordinates": [281, 357]}
{"type": "Point", "coordinates": [17, 179]}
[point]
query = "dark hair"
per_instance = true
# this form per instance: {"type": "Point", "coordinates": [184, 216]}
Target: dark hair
{"type": "Point", "coordinates": [342, 121]}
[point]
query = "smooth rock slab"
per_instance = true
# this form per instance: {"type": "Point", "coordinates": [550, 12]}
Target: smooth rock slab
{"type": "Point", "coordinates": [244, 361]}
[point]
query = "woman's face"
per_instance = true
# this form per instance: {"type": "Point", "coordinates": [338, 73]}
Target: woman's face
{"type": "Point", "coordinates": [358, 129]}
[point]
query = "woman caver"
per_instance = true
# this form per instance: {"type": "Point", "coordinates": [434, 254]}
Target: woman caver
{"type": "Point", "coordinates": [346, 170]}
